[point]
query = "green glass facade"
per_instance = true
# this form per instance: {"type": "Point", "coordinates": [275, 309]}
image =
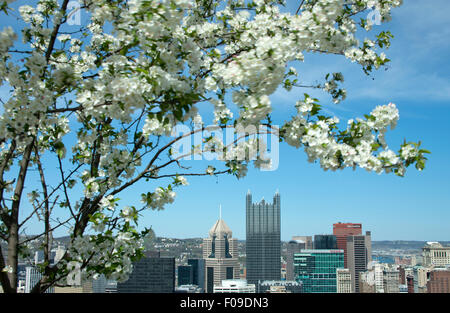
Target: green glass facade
{"type": "Point", "coordinates": [316, 269]}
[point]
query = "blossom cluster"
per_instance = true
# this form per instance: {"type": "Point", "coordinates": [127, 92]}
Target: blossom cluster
{"type": "Point", "coordinates": [357, 146]}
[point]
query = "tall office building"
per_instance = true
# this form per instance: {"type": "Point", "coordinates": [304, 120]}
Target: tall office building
{"type": "Point", "coordinates": [32, 277]}
{"type": "Point", "coordinates": [151, 274]}
{"type": "Point", "coordinates": [325, 242]}
{"type": "Point", "coordinates": [358, 253]}
{"type": "Point", "coordinates": [198, 272]}
{"type": "Point", "coordinates": [293, 247]}
{"type": "Point", "coordinates": [221, 256]}
{"type": "Point", "coordinates": [263, 241]}
{"type": "Point", "coordinates": [317, 269]}
{"type": "Point", "coordinates": [342, 231]}
{"type": "Point", "coordinates": [368, 243]}
{"type": "Point", "coordinates": [185, 275]}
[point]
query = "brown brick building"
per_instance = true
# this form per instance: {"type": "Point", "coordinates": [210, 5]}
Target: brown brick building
{"type": "Point", "coordinates": [439, 281]}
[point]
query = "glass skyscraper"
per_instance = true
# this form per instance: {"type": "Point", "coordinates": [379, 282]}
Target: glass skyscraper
{"type": "Point", "coordinates": [185, 275]}
{"type": "Point", "coordinates": [151, 274]}
{"type": "Point", "coordinates": [325, 242]}
{"type": "Point", "coordinates": [263, 241]}
{"type": "Point", "coordinates": [198, 270]}
{"type": "Point", "coordinates": [316, 269]}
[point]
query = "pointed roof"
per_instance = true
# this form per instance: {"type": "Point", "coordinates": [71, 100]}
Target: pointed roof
{"type": "Point", "coordinates": [219, 229]}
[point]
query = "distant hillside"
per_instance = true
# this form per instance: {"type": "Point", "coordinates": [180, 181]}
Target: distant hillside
{"type": "Point", "coordinates": [193, 244]}
{"type": "Point", "coordinates": [402, 244]}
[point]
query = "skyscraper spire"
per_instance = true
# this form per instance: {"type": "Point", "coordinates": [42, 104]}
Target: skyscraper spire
{"type": "Point", "coordinates": [220, 211]}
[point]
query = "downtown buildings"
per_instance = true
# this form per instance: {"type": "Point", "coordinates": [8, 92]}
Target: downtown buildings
{"type": "Point", "coordinates": [336, 262]}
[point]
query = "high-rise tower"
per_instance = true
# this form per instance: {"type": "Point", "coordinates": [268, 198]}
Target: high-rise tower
{"type": "Point", "coordinates": [342, 231]}
{"type": "Point", "coordinates": [263, 241]}
{"type": "Point", "coordinates": [359, 250]}
{"type": "Point", "coordinates": [221, 256]}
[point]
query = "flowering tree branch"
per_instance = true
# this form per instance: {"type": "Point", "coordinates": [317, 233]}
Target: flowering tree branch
{"type": "Point", "coordinates": [103, 100]}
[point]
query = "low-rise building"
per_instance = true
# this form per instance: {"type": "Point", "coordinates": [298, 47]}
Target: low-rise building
{"type": "Point", "coordinates": [343, 280]}
{"type": "Point", "coordinates": [391, 278]}
{"type": "Point", "coordinates": [235, 286]}
{"type": "Point", "coordinates": [435, 254]}
{"type": "Point", "coordinates": [279, 286]}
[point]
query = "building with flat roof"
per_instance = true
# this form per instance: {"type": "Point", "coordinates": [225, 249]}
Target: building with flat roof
{"type": "Point", "coordinates": [316, 269]}
{"type": "Point", "coordinates": [342, 231]}
{"type": "Point", "coordinates": [358, 257]}
{"type": "Point", "coordinates": [151, 274]}
{"type": "Point", "coordinates": [188, 289]}
{"type": "Point", "coordinates": [434, 253]}
{"type": "Point", "coordinates": [185, 275]}
{"type": "Point", "coordinates": [439, 281]}
{"type": "Point", "coordinates": [293, 247]}
{"type": "Point", "coordinates": [234, 286]}
{"type": "Point", "coordinates": [391, 280]}
{"type": "Point", "coordinates": [325, 242]}
{"type": "Point", "coordinates": [343, 280]}
{"type": "Point", "coordinates": [279, 286]}
{"type": "Point", "coordinates": [198, 272]}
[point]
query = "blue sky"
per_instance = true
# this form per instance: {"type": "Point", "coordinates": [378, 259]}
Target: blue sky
{"type": "Point", "coordinates": [416, 207]}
